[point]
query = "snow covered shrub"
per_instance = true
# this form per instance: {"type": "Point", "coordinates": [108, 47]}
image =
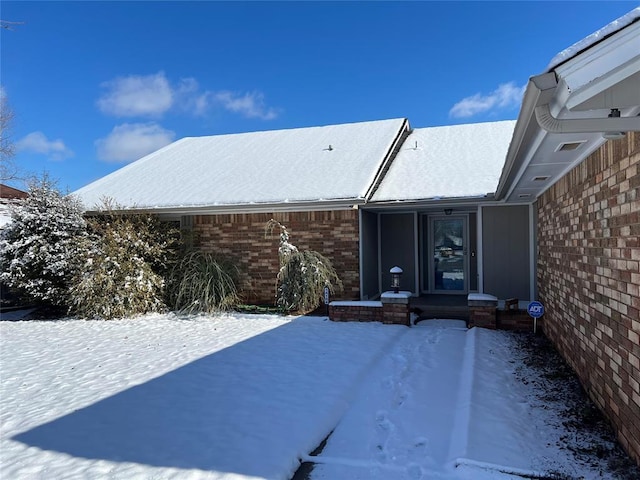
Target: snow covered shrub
{"type": "Point", "coordinates": [122, 274]}
{"type": "Point", "coordinates": [302, 279]}
{"type": "Point", "coordinates": [40, 250]}
{"type": "Point", "coordinates": [302, 275]}
{"type": "Point", "coordinates": [202, 282]}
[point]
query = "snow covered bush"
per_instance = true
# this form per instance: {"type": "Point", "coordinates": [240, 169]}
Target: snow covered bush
{"type": "Point", "coordinates": [123, 273]}
{"type": "Point", "coordinates": [302, 275]}
{"type": "Point", "coordinates": [40, 250]}
{"type": "Point", "coordinates": [201, 282]}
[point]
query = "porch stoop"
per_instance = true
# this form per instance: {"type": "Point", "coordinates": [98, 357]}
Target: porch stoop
{"type": "Point", "coordinates": [451, 307]}
{"type": "Point", "coordinates": [477, 310]}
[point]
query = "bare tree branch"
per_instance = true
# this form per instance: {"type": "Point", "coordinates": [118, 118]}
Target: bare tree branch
{"type": "Point", "coordinates": [9, 25]}
{"type": "Point", "coordinates": [8, 169]}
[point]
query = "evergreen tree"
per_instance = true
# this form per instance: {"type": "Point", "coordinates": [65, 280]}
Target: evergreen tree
{"type": "Point", "coordinates": [41, 248]}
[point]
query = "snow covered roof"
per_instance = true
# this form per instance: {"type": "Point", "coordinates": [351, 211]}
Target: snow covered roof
{"type": "Point", "coordinates": [316, 164]}
{"type": "Point", "coordinates": [595, 37]}
{"type": "Point", "coordinates": [457, 161]}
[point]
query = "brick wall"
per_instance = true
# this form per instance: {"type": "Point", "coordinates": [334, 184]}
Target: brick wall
{"type": "Point", "coordinates": [385, 312]}
{"type": "Point", "coordinates": [356, 313]}
{"type": "Point", "coordinates": [241, 237]}
{"type": "Point", "coordinates": [484, 317]}
{"type": "Point", "coordinates": [589, 278]}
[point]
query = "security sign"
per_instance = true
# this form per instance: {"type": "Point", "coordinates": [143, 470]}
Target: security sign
{"type": "Point", "coordinates": [535, 309]}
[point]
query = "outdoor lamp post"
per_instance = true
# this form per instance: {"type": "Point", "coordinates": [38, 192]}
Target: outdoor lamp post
{"type": "Point", "coordinates": [396, 273]}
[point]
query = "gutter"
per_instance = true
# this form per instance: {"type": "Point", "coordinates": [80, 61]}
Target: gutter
{"type": "Point", "coordinates": [522, 133]}
{"type": "Point", "coordinates": [589, 63]}
{"type": "Point", "coordinates": [536, 121]}
{"type": "Point", "coordinates": [300, 206]}
{"type": "Point", "coordinates": [547, 85]}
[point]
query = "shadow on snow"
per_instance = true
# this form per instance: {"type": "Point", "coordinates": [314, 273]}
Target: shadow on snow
{"type": "Point", "coordinates": [251, 408]}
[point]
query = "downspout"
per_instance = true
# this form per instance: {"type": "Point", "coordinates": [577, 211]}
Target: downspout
{"type": "Point", "coordinates": [540, 94]}
{"type": "Point", "coordinates": [546, 84]}
{"type": "Point", "coordinates": [611, 123]}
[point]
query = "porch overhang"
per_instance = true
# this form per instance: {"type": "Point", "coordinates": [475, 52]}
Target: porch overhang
{"type": "Point", "coordinates": [462, 203]}
{"type": "Point", "coordinates": [591, 94]}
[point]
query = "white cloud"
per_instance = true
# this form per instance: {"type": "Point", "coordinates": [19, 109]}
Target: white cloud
{"type": "Point", "coordinates": [151, 96]}
{"type": "Point", "coordinates": [250, 105]}
{"type": "Point", "coordinates": [37, 142]}
{"type": "Point", "coordinates": [201, 104]}
{"type": "Point", "coordinates": [507, 95]}
{"type": "Point", "coordinates": [187, 86]}
{"type": "Point", "coordinates": [190, 98]}
{"type": "Point", "coordinates": [137, 96]}
{"type": "Point", "coordinates": [131, 141]}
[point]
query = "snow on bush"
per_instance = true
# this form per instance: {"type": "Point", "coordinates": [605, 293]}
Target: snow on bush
{"type": "Point", "coordinates": [302, 275]}
{"type": "Point", "coordinates": [123, 274]}
{"type": "Point", "coordinates": [40, 250]}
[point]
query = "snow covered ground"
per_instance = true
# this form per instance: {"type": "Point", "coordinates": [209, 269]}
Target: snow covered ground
{"type": "Point", "coordinates": [250, 396]}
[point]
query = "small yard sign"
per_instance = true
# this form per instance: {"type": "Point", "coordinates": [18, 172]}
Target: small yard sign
{"type": "Point", "coordinates": [535, 309]}
{"type": "Point", "coordinates": [326, 295]}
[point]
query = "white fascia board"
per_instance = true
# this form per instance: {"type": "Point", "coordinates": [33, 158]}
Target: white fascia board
{"type": "Point", "coordinates": [539, 89]}
{"type": "Point", "coordinates": [408, 207]}
{"type": "Point", "coordinates": [602, 65]}
{"type": "Point", "coordinates": [347, 204]}
{"type": "Point", "coordinates": [578, 79]}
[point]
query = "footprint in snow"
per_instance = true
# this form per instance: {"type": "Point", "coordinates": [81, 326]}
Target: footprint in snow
{"type": "Point", "coordinates": [419, 449]}
{"type": "Point", "coordinates": [401, 398]}
{"type": "Point", "coordinates": [414, 471]}
{"type": "Point", "coordinates": [382, 421]}
{"type": "Point", "coordinates": [381, 454]}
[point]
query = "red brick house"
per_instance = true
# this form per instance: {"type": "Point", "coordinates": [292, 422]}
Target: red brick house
{"type": "Point", "coordinates": [575, 159]}
{"type": "Point", "coordinates": [546, 207]}
{"type": "Point", "coordinates": [7, 195]}
{"type": "Point", "coordinates": [367, 195]}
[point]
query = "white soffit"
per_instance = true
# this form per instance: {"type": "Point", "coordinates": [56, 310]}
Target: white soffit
{"type": "Point", "coordinates": [604, 64]}
{"type": "Point", "coordinates": [595, 75]}
{"type": "Point", "coordinates": [623, 94]}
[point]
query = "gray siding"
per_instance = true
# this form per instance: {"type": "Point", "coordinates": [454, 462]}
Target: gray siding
{"type": "Point", "coordinates": [397, 247]}
{"type": "Point", "coordinates": [473, 252]}
{"type": "Point", "coordinates": [369, 252]}
{"type": "Point", "coordinates": [505, 251]}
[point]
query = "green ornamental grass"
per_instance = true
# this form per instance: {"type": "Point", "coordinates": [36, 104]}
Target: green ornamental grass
{"type": "Point", "coordinates": [201, 282]}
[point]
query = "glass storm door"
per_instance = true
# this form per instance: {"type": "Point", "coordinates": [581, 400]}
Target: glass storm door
{"type": "Point", "coordinates": [449, 264]}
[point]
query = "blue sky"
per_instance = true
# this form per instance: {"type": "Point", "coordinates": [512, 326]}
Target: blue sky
{"type": "Point", "coordinates": [96, 85]}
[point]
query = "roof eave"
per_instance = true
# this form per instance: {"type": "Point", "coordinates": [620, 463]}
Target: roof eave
{"type": "Point", "coordinates": [297, 206]}
{"type": "Point", "coordinates": [430, 202]}
{"type": "Point", "coordinates": [526, 130]}
{"type": "Point", "coordinates": [547, 107]}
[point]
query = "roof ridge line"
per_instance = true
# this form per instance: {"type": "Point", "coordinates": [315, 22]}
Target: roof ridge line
{"type": "Point", "coordinates": [398, 141]}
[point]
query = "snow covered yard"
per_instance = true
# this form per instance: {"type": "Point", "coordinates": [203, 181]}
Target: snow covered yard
{"type": "Point", "coordinates": [249, 396]}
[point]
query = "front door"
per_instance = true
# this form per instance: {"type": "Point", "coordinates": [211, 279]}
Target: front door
{"type": "Point", "coordinates": [448, 254]}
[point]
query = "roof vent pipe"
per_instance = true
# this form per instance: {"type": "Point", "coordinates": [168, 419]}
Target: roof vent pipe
{"type": "Point", "coordinates": [585, 125]}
